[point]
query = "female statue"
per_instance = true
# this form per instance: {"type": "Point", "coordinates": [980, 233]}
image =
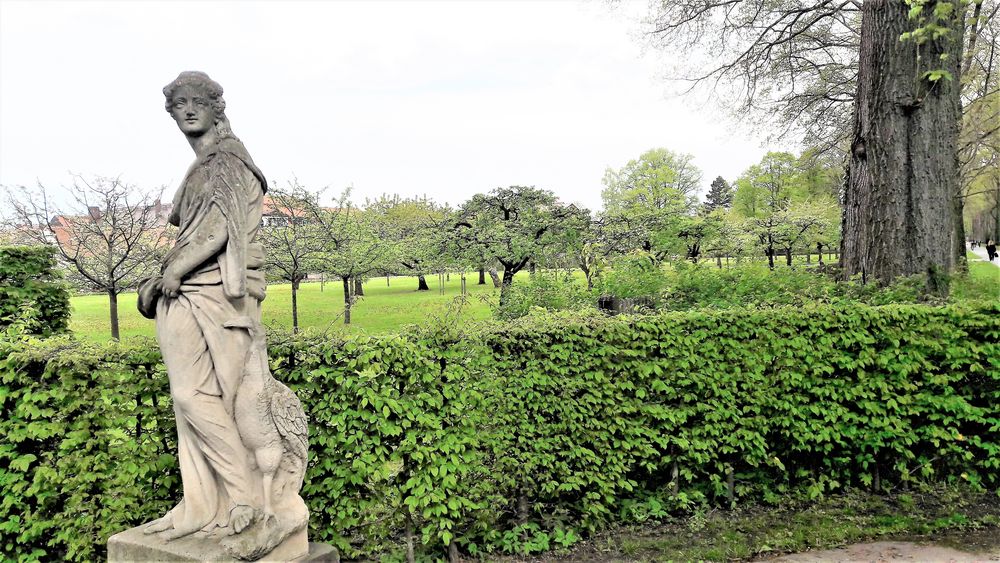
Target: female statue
{"type": "Point", "coordinates": [241, 434]}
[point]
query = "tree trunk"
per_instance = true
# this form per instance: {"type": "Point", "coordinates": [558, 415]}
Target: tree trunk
{"type": "Point", "coordinates": [422, 283]}
{"type": "Point", "coordinates": [958, 238]}
{"type": "Point", "coordinates": [347, 300]}
{"type": "Point", "coordinates": [113, 309]}
{"type": "Point", "coordinates": [410, 537]}
{"type": "Point", "coordinates": [495, 277]}
{"type": "Point", "coordinates": [770, 257]}
{"type": "Point", "coordinates": [903, 168]}
{"type": "Point", "coordinates": [531, 268]}
{"type": "Point", "coordinates": [819, 253]}
{"type": "Point", "coordinates": [508, 279]}
{"type": "Point", "coordinates": [358, 287]}
{"type": "Point", "coordinates": [788, 257]}
{"type": "Point", "coordinates": [482, 276]}
{"type": "Point", "coordinates": [295, 307]}
{"type": "Point", "coordinates": [588, 276]}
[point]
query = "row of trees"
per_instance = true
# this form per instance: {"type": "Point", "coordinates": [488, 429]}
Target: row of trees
{"type": "Point", "coordinates": [784, 204]}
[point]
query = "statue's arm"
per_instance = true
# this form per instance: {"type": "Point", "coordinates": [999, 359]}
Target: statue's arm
{"type": "Point", "coordinates": [206, 242]}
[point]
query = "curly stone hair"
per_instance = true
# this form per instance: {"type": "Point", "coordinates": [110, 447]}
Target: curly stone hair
{"type": "Point", "coordinates": [201, 80]}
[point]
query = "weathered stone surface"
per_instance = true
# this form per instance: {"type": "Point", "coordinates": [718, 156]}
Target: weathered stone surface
{"type": "Point", "coordinates": [242, 435]}
{"type": "Point", "coordinates": [134, 546]}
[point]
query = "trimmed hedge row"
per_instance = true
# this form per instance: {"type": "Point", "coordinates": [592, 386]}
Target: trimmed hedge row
{"type": "Point", "coordinates": [523, 435]}
{"type": "Point", "coordinates": [28, 279]}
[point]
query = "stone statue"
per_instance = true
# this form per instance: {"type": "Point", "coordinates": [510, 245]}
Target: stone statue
{"type": "Point", "coordinates": [242, 437]}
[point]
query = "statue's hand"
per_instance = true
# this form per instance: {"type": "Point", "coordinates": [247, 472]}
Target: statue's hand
{"type": "Point", "coordinates": [171, 284]}
{"type": "Point", "coordinates": [149, 291]}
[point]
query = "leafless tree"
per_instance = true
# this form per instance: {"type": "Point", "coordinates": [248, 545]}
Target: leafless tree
{"type": "Point", "coordinates": [110, 236]}
{"type": "Point", "coordinates": [291, 239]}
{"type": "Point", "coordinates": [789, 65]}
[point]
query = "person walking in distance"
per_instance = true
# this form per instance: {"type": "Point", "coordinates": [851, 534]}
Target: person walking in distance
{"type": "Point", "coordinates": [991, 249]}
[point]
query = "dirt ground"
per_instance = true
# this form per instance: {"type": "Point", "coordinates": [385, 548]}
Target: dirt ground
{"type": "Point", "coordinates": [968, 546]}
{"type": "Point", "coordinates": [935, 525]}
{"type": "Point", "coordinates": [975, 550]}
{"type": "Point", "coordinates": [890, 551]}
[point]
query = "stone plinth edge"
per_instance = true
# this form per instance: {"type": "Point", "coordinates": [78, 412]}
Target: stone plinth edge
{"type": "Point", "coordinates": [133, 546]}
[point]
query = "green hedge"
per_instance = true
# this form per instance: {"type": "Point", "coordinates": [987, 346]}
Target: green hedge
{"type": "Point", "coordinates": [28, 280]}
{"type": "Point", "coordinates": [525, 435]}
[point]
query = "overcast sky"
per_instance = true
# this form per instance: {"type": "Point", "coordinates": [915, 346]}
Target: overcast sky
{"type": "Point", "coordinates": [445, 99]}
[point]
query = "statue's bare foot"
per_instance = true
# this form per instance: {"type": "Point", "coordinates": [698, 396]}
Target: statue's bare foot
{"type": "Point", "coordinates": [175, 533]}
{"type": "Point", "coordinates": [159, 525]}
{"type": "Point", "coordinates": [240, 518]}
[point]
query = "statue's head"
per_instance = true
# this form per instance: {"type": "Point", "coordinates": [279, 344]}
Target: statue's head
{"type": "Point", "coordinates": [195, 102]}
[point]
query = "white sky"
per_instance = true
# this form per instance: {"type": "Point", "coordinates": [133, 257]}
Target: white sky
{"type": "Point", "coordinates": [440, 98]}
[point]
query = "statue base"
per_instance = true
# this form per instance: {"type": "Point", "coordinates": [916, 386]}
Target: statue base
{"type": "Point", "coordinates": [133, 546]}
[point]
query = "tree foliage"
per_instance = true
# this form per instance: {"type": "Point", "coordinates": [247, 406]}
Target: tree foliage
{"type": "Point", "coordinates": [515, 225]}
{"type": "Point", "coordinates": [353, 243]}
{"type": "Point", "coordinates": [417, 230]}
{"type": "Point", "coordinates": [647, 201]}
{"type": "Point", "coordinates": [30, 283]}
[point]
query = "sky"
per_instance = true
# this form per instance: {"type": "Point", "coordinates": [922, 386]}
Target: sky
{"type": "Point", "coordinates": [443, 99]}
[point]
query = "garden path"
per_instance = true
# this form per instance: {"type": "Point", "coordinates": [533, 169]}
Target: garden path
{"type": "Point", "coordinates": [980, 251]}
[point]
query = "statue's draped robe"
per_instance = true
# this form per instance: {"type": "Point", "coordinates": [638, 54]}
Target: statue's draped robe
{"type": "Point", "coordinates": [204, 359]}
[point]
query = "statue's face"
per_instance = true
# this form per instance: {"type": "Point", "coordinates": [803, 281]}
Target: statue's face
{"type": "Point", "coordinates": [192, 110]}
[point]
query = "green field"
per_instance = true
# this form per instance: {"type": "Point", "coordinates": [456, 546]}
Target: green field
{"type": "Point", "coordinates": [386, 309]}
{"type": "Point", "coordinates": [383, 308]}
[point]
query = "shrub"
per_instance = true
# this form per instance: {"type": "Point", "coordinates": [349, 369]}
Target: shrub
{"type": "Point", "coordinates": [520, 436]}
{"type": "Point", "coordinates": [28, 282]}
{"type": "Point", "coordinates": [554, 291]}
{"type": "Point", "coordinates": [632, 276]}
{"type": "Point", "coordinates": [691, 286]}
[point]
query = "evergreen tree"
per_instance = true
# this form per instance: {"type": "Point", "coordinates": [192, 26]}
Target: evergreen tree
{"type": "Point", "coordinates": [720, 195]}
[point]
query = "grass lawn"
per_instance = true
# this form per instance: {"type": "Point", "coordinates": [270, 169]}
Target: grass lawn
{"type": "Point", "coordinates": [386, 309]}
{"type": "Point", "coordinates": [983, 281]}
{"type": "Point", "coordinates": [383, 308]}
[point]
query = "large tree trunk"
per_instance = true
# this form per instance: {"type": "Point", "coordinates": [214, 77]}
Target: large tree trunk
{"type": "Point", "coordinates": [113, 309]}
{"type": "Point", "coordinates": [495, 277]}
{"type": "Point", "coordinates": [359, 288]}
{"type": "Point", "coordinates": [422, 283]}
{"type": "Point", "coordinates": [482, 276]}
{"type": "Point", "coordinates": [902, 174]}
{"type": "Point", "coordinates": [295, 306]}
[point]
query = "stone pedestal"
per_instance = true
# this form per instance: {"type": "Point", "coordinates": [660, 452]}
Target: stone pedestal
{"type": "Point", "coordinates": [134, 546]}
